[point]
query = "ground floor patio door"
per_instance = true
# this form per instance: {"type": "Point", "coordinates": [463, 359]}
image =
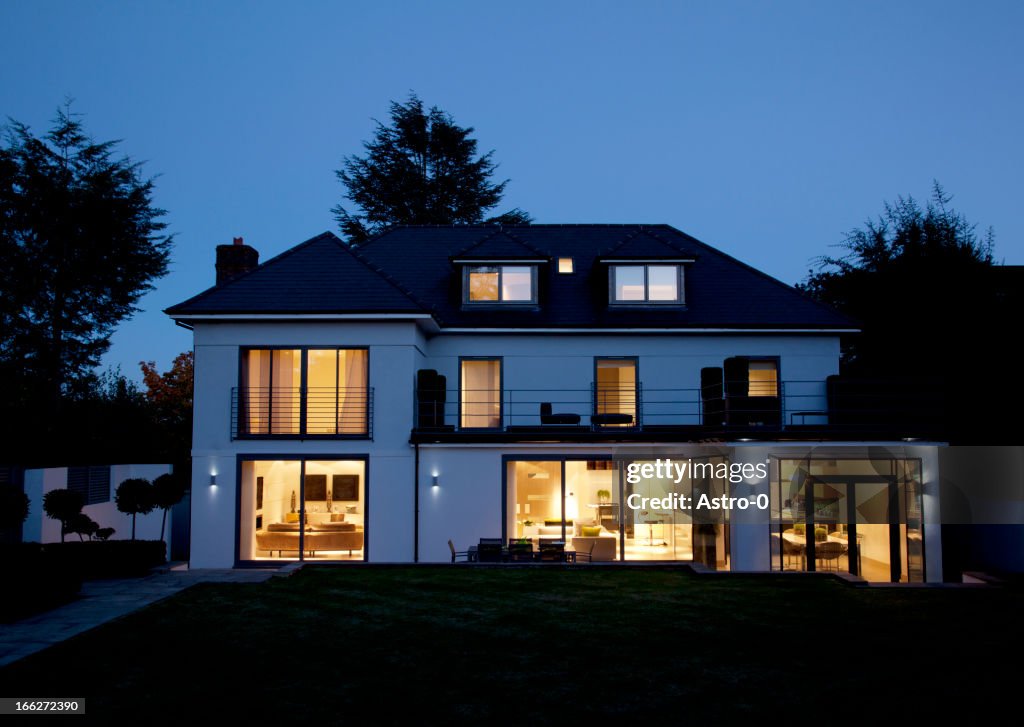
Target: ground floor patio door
{"type": "Point", "coordinates": [857, 524]}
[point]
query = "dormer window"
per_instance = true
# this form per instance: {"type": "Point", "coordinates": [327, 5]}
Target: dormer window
{"type": "Point", "coordinates": [497, 284]}
{"type": "Point", "coordinates": [654, 284]}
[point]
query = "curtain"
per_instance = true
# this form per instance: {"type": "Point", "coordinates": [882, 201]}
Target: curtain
{"type": "Point", "coordinates": [481, 394]}
{"type": "Point", "coordinates": [353, 395]}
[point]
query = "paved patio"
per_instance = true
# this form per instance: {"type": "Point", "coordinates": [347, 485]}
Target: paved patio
{"type": "Point", "coordinates": [105, 600]}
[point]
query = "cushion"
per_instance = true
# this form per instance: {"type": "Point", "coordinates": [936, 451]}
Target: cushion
{"type": "Point", "coordinates": [591, 532]}
{"type": "Point", "coordinates": [283, 527]}
{"type": "Point", "coordinates": [337, 517]}
{"type": "Point", "coordinates": [291, 517]}
{"type": "Point", "coordinates": [550, 530]}
{"type": "Point", "coordinates": [336, 527]}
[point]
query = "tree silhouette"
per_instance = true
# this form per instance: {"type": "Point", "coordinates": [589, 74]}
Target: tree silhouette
{"type": "Point", "coordinates": [422, 169]}
{"type": "Point", "coordinates": [168, 490]}
{"type": "Point", "coordinates": [80, 243]}
{"type": "Point", "coordinates": [63, 505]}
{"type": "Point", "coordinates": [135, 497]}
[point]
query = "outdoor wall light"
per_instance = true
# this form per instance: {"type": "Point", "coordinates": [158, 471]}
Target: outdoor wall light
{"type": "Point", "coordinates": [434, 482]}
{"type": "Point", "coordinates": [213, 480]}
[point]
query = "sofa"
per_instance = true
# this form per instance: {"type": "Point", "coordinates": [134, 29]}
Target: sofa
{"type": "Point", "coordinates": [319, 536]}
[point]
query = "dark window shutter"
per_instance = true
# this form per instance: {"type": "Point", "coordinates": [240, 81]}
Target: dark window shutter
{"type": "Point", "coordinates": [99, 485]}
{"type": "Point", "coordinates": [92, 483]}
{"type": "Point", "coordinates": [737, 375]}
{"type": "Point", "coordinates": [78, 481]}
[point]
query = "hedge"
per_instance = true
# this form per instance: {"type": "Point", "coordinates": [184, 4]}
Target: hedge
{"type": "Point", "coordinates": [38, 580]}
{"type": "Point", "coordinates": [110, 558]}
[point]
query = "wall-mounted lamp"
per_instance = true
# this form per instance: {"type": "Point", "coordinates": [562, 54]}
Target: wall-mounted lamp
{"type": "Point", "coordinates": [434, 482]}
{"type": "Point", "coordinates": [213, 480]}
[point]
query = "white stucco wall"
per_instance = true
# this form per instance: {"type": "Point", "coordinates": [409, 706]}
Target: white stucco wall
{"type": "Point", "coordinates": [42, 529]}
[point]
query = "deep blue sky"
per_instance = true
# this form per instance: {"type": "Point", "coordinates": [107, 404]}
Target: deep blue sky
{"type": "Point", "coordinates": [767, 130]}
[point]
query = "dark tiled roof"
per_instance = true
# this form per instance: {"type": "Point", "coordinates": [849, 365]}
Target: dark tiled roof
{"type": "Point", "coordinates": [323, 275]}
{"type": "Point", "coordinates": [499, 245]}
{"type": "Point", "coordinates": [317, 276]}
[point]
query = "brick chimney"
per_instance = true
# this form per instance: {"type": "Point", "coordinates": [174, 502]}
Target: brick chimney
{"type": "Point", "coordinates": [235, 259]}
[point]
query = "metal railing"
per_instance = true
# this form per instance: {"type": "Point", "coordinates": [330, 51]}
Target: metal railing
{"type": "Point", "coordinates": [795, 404]}
{"type": "Point", "coordinates": [298, 411]}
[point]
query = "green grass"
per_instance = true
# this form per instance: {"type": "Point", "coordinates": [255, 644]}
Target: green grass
{"type": "Point", "coordinates": [540, 645]}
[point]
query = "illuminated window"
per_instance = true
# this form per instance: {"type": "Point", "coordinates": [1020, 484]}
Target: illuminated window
{"type": "Point", "coordinates": [647, 283]}
{"type": "Point", "coordinates": [565, 264]}
{"type": "Point", "coordinates": [332, 385]}
{"type": "Point", "coordinates": [763, 378]}
{"type": "Point", "coordinates": [501, 284]}
{"type": "Point", "coordinates": [480, 394]}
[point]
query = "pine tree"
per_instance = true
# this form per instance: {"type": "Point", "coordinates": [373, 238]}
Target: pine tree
{"type": "Point", "coordinates": [80, 243]}
{"type": "Point", "coordinates": [422, 169]}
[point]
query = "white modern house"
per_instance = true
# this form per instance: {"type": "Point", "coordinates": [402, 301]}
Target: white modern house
{"type": "Point", "coordinates": [459, 383]}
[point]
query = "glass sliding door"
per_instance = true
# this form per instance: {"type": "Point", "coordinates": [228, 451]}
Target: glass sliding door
{"type": "Point", "coordinates": [861, 517]}
{"type": "Point", "coordinates": [480, 393]}
{"type": "Point", "coordinates": [535, 502]}
{"type": "Point", "coordinates": [302, 510]}
{"type": "Point", "coordinates": [593, 512]}
{"type": "Point", "coordinates": [657, 527]}
{"type": "Point", "coordinates": [573, 501]}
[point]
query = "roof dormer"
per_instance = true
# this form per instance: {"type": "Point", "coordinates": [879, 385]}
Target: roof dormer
{"type": "Point", "coordinates": [499, 271]}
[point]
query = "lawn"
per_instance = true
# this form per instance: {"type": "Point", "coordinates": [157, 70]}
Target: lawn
{"type": "Point", "coordinates": [364, 645]}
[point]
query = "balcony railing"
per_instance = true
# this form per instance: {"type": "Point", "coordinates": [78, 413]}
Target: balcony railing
{"type": "Point", "coordinates": [302, 412]}
{"type": "Point", "coordinates": [796, 405]}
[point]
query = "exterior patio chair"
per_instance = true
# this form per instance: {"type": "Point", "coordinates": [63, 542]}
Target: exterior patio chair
{"type": "Point", "coordinates": [489, 550]}
{"type": "Point", "coordinates": [455, 555]}
{"type": "Point", "coordinates": [552, 551]}
{"type": "Point", "coordinates": [519, 552]}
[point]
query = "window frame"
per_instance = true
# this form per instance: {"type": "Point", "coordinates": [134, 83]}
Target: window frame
{"type": "Point", "coordinates": [646, 265]}
{"type": "Point", "coordinates": [468, 268]}
{"type": "Point", "coordinates": [330, 456]}
{"type": "Point", "coordinates": [635, 360]}
{"type": "Point", "coordinates": [501, 394]}
{"type": "Point", "coordinates": [241, 429]}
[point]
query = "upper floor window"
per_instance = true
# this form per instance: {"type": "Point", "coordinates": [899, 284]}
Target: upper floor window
{"type": "Point", "coordinates": [480, 393]}
{"type": "Point", "coordinates": [500, 284]}
{"type": "Point", "coordinates": [657, 284]}
{"type": "Point", "coordinates": [315, 391]}
{"type": "Point", "coordinates": [763, 378]}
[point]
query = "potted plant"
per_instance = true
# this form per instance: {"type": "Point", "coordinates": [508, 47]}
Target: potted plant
{"type": "Point", "coordinates": [604, 496]}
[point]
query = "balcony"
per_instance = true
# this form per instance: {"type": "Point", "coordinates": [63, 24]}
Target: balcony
{"type": "Point", "coordinates": [302, 413]}
{"type": "Point", "coordinates": [800, 409]}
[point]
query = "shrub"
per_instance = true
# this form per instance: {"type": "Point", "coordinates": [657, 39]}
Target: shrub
{"type": "Point", "coordinates": [109, 558]}
{"type": "Point", "coordinates": [62, 505]}
{"type": "Point", "coordinates": [39, 581]}
{"type": "Point", "coordinates": [13, 506]}
{"type": "Point", "coordinates": [82, 525]}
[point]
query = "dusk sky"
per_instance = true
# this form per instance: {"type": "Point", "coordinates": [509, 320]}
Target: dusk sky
{"type": "Point", "coordinates": [767, 130]}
